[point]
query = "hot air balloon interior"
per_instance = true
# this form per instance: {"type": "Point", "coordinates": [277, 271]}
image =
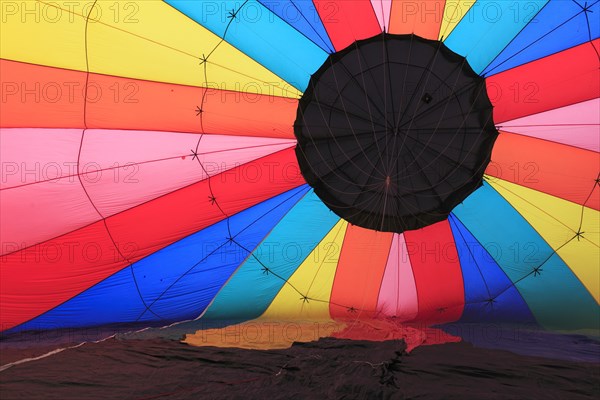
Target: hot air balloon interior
{"type": "Point", "coordinates": [364, 189]}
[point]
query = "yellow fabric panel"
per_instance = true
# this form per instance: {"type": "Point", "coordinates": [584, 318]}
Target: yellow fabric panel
{"type": "Point", "coordinates": [139, 39]}
{"type": "Point", "coordinates": [557, 221]}
{"type": "Point", "coordinates": [37, 33]}
{"type": "Point", "coordinates": [314, 278]}
{"type": "Point", "coordinates": [453, 13]}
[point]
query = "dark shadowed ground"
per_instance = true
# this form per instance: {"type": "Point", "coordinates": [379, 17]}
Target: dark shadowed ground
{"type": "Point", "coordinates": [327, 369]}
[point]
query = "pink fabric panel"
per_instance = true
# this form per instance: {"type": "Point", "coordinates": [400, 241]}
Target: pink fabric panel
{"type": "Point", "coordinates": [382, 10]}
{"type": "Point", "coordinates": [398, 293]}
{"type": "Point", "coordinates": [120, 169]}
{"type": "Point", "coordinates": [34, 213]}
{"type": "Point", "coordinates": [575, 125]}
{"type": "Point", "coordinates": [34, 155]}
{"type": "Point", "coordinates": [138, 166]}
{"type": "Point", "coordinates": [40, 194]}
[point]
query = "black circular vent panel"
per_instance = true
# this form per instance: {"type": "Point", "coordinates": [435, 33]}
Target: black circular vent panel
{"type": "Point", "coordinates": [394, 131]}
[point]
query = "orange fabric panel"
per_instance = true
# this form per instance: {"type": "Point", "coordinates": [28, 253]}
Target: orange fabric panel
{"type": "Point", "coordinates": [46, 97]}
{"type": "Point", "coordinates": [263, 334]}
{"type": "Point", "coordinates": [359, 273]}
{"type": "Point", "coordinates": [40, 97]}
{"type": "Point", "coordinates": [559, 170]}
{"type": "Point", "coordinates": [423, 18]}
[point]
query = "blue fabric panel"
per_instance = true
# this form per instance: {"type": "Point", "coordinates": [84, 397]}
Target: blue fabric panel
{"type": "Point", "coordinates": [488, 27]}
{"type": "Point", "coordinates": [489, 295]}
{"type": "Point", "coordinates": [555, 296]}
{"type": "Point", "coordinates": [250, 291]}
{"type": "Point", "coordinates": [302, 15]}
{"type": "Point", "coordinates": [559, 25]}
{"type": "Point", "coordinates": [178, 281]}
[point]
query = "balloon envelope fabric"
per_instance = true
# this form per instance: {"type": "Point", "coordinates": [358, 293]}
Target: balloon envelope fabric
{"type": "Point", "coordinates": [150, 161]}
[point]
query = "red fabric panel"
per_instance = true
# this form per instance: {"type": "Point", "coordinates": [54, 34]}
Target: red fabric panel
{"type": "Point", "coordinates": [36, 96]}
{"type": "Point", "coordinates": [561, 79]}
{"type": "Point", "coordinates": [359, 273]}
{"type": "Point", "coordinates": [45, 275]}
{"type": "Point", "coordinates": [40, 277]}
{"type": "Point", "coordinates": [437, 273]}
{"type": "Point", "coordinates": [378, 330]}
{"type": "Point", "coordinates": [188, 210]}
{"type": "Point", "coordinates": [562, 171]}
{"type": "Point", "coordinates": [347, 21]}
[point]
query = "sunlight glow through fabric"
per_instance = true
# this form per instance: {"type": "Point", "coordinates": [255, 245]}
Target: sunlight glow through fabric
{"type": "Point", "coordinates": [153, 162]}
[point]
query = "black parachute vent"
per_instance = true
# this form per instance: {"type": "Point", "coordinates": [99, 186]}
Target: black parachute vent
{"type": "Point", "coordinates": [394, 132]}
